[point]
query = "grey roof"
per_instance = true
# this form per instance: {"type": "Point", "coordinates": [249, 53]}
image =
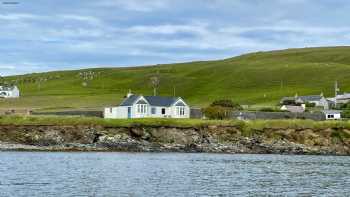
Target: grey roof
{"type": "Point", "coordinates": [7, 88]}
{"type": "Point", "coordinates": [331, 111]}
{"type": "Point", "coordinates": [310, 98]}
{"type": "Point", "coordinates": [130, 100]}
{"type": "Point", "coordinates": [152, 100]}
{"type": "Point", "coordinates": [302, 98]}
{"type": "Point", "coordinates": [161, 100]}
{"type": "Point", "coordinates": [344, 96]}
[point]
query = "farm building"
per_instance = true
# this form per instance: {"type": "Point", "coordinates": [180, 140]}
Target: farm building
{"type": "Point", "coordinates": [332, 114]}
{"type": "Point", "coordinates": [9, 92]}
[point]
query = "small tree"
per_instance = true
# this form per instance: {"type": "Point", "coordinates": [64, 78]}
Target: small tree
{"type": "Point", "coordinates": [221, 109]}
{"type": "Point", "coordinates": [155, 82]}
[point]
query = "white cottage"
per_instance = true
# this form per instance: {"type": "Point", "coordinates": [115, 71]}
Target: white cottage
{"type": "Point", "coordinates": [138, 106]}
{"type": "Point", "coordinates": [9, 92]}
{"type": "Point", "coordinates": [332, 114]}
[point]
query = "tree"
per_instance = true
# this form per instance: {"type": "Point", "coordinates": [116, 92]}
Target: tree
{"type": "Point", "coordinates": [155, 82]}
{"type": "Point", "coordinates": [221, 109]}
{"type": "Point", "coordinates": [227, 104]}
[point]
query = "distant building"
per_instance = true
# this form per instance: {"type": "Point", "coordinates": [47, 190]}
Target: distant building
{"type": "Point", "coordinates": [293, 108]}
{"type": "Point", "coordinates": [317, 100]}
{"type": "Point", "coordinates": [332, 114]}
{"type": "Point", "coordinates": [9, 92]}
{"type": "Point", "coordinates": [342, 98]}
{"type": "Point", "coordinates": [138, 106]}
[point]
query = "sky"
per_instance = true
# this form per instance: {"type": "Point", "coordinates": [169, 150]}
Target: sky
{"type": "Point", "coordinates": [47, 35]}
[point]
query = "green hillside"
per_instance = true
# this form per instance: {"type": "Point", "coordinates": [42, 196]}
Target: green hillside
{"type": "Point", "coordinates": [255, 79]}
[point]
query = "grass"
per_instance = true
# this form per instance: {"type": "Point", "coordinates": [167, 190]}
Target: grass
{"type": "Point", "coordinates": [75, 120]}
{"type": "Point", "coordinates": [256, 79]}
{"type": "Point", "coordinates": [244, 125]}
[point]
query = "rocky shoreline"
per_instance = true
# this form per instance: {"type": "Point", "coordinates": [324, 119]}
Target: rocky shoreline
{"type": "Point", "coordinates": [206, 139]}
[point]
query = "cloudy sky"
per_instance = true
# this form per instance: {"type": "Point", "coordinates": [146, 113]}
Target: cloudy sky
{"type": "Point", "coordinates": [44, 35]}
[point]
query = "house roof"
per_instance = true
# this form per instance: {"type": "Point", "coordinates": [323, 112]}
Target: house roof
{"type": "Point", "coordinates": [7, 88]}
{"type": "Point", "coordinates": [310, 98]}
{"type": "Point", "coordinates": [152, 100]}
{"type": "Point", "coordinates": [130, 100]}
{"type": "Point", "coordinates": [161, 100]}
{"type": "Point", "coordinates": [307, 98]}
{"type": "Point", "coordinates": [344, 96]}
{"type": "Point", "coordinates": [294, 109]}
{"type": "Point", "coordinates": [331, 111]}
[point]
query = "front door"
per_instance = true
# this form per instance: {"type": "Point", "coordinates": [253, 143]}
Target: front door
{"type": "Point", "coordinates": [129, 112]}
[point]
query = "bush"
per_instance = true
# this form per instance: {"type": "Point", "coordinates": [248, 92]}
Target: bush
{"type": "Point", "coordinates": [221, 109]}
{"type": "Point", "coordinates": [227, 104]}
{"type": "Point", "coordinates": [267, 109]}
{"type": "Point", "coordinates": [310, 104]}
{"type": "Point", "coordinates": [345, 114]}
{"type": "Point", "coordinates": [217, 112]}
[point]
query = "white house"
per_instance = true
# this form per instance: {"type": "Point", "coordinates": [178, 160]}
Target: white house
{"type": "Point", "coordinates": [9, 92]}
{"type": "Point", "coordinates": [332, 114]}
{"type": "Point", "coordinates": [138, 106]}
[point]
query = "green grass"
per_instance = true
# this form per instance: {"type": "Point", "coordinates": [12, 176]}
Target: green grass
{"type": "Point", "coordinates": [75, 120]}
{"type": "Point", "coordinates": [257, 79]}
{"type": "Point", "coordinates": [244, 125]}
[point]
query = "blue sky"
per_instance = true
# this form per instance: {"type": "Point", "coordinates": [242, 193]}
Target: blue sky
{"type": "Point", "coordinates": [45, 35]}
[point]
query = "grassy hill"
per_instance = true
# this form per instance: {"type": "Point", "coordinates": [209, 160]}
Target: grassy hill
{"type": "Point", "coordinates": [255, 79]}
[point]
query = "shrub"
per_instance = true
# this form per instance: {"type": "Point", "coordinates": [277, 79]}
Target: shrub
{"type": "Point", "coordinates": [267, 109]}
{"type": "Point", "coordinates": [227, 104]}
{"type": "Point", "coordinates": [217, 112]}
{"type": "Point", "coordinates": [345, 114]}
{"type": "Point", "coordinates": [310, 104]}
{"type": "Point", "coordinates": [221, 109]}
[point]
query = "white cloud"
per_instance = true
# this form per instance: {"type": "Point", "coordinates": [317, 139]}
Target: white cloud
{"type": "Point", "coordinates": [134, 5]}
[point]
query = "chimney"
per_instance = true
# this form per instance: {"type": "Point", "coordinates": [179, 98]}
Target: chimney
{"type": "Point", "coordinates": [303, 106]}
{"type": "Point", "coordinates": [129, 94]}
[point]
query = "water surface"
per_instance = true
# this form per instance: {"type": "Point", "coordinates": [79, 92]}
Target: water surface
{"type": "Point", "coordinates": [171, 174]}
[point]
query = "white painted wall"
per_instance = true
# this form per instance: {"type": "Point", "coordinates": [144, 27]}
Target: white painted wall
{"type": "Point", "coordinates": [11, 94]}
{"type": "Point", "coordinates": [336, 116]}
{"type": "Point", "coordinates": [120, 112]}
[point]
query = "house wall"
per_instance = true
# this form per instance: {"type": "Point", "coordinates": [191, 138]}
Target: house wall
{"type": "Point", "coordinates": [120, 112]}
{"type": "Point", "coordinates": [336, 117]}
{"type": "Point", "coordinates": [14, 93]}
{"type": "Point", "coordinates": [158, 113]}
{"type": "Point", "coordinates": [186, 115]}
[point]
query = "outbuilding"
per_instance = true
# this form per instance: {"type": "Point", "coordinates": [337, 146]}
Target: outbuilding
{"type": "Point", "coordinates": [332, 114]}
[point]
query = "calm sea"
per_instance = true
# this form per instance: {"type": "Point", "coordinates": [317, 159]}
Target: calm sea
{"type": "Point", "coordinates": [171, 174]}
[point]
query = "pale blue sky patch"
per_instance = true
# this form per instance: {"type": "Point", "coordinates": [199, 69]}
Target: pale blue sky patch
{"type": "Point", "coordinates": [42, 35]}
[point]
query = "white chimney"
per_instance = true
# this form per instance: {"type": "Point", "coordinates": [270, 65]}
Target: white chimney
{"type": "Point", "coordinates": [129, 94]}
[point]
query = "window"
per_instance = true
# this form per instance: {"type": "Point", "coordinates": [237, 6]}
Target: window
{"type": "Point", "coordinates": [180, 111]}
{"type": "Point", "coordinates": [153, 110]}
{"type": "Point", "coordinates": [141, 108]}
{"type": "Point", "coordinates": [110, 110]}
{"type": "Point", "coordinates": [163, 111]}
{"type": "Point", "coordinates": [330, 116]}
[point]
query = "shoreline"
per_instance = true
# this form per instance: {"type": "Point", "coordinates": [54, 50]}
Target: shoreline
{"type": "Point", "coordinates": [159, 139]}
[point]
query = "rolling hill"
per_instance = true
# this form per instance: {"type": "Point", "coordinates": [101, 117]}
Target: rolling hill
{"type": "Point", "coordinates": [255, 79]}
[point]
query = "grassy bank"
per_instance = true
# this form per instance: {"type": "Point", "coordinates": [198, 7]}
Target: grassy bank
{"type": "Point", "coordinates": [259, 79]}
{"type": "Point", "coordinates": [247, 125]}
